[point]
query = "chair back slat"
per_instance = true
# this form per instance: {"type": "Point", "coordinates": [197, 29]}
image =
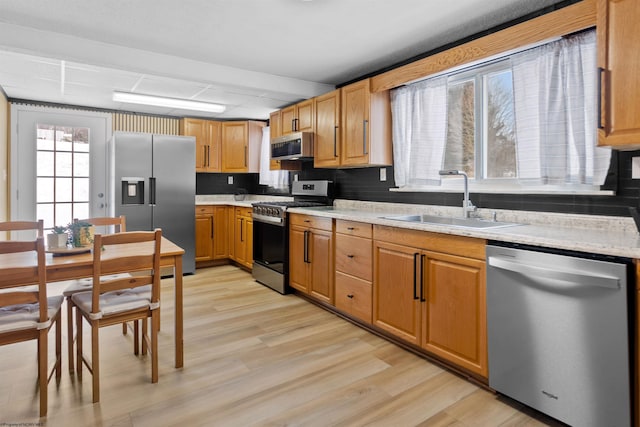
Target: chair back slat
{"type": "Point", "coordinates": [129, 264]}
{"type": "Point", "coordinates": [125, 283]}
{"type": "Point", "coordinates": [107, 224]}
{"type": "Point", "coordinates": [22, 226]}
{"type": "Point", "coordinates": [30, 270]}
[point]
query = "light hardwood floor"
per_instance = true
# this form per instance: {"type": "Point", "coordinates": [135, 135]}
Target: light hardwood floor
{"type": "Point", "coordinates": [254, 357]}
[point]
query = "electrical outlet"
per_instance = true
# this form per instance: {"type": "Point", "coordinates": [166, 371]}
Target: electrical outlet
{"type": "Point", "coordinates": [229, 180]}
{"type": "Point", "coordinates": [635, 168]}
{"type": "Point", "coordinates": [383, 174]}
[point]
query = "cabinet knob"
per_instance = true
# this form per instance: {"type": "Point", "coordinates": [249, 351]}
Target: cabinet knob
{"type": "Point", "coordinates": [350, 296]}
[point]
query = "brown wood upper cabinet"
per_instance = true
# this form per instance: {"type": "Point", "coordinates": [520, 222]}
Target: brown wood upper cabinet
{"type": "Point", "coordinates": [429, 289]}
{"type": "Point", "coordinates": [326, 142]}
{"type": "Point", "coordinates": [619, 79]}
{"type": "Point", "coordinates": [297, 118]}
{"type": "Point", "coordinates": [207, 134]}
{"type": "Point", "coordinates": [366, 126]}
{"type": "Point", "coordinates": [274, 132]}
{"type": "Point", "coordinates": [241, 146]}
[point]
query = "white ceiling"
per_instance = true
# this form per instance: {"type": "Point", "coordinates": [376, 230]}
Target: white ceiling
{"type": "Point", "coordinates": [254, 56]}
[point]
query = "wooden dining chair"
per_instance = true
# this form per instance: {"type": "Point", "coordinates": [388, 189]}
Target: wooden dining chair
{"type": "Point", "coordinates": [107, 225]}
{"type": "Point", "coordinates": [113, 301]}
{"type": "Point", "coordinates": [29, 315]}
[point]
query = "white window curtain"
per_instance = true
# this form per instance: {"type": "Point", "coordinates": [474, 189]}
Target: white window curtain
{"type": "Point", "coordinates": [555, 111]}
{"type": "Point", "coordinates": [419, 118]}
{"type": "Point", "coordinates": [277, 179]}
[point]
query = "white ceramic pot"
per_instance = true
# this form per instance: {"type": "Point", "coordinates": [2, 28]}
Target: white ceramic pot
{"type": "Point", "coordinates": [57, 241]}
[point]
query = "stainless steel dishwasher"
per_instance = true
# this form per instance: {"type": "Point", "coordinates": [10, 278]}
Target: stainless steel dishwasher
{"type": "Point", "coordinates": [558, 334]}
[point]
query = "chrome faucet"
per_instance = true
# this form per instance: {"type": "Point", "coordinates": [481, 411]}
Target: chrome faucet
{"type": "Point", "coordinates": [467, 206]}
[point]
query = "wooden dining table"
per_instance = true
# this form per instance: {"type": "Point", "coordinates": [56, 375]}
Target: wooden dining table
{"type": "Point", "coordinates": [70, 266]}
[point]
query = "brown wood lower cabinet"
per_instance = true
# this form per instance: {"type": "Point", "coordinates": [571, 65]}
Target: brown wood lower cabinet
{"type": "Point", "coordinates": [204, 233]}
{"type": "Point", "coordinates": [212, 237]}
{"type": "Point", "coordinates": [243, 237]}
{"type": "Point", "coordinates": [311, 256]}
{"type": "Point", "coordinates": [429, 290]}
{"type": "Point", "coordinates": [353, 269]}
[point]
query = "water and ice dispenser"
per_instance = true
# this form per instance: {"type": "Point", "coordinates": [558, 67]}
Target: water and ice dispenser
{"type": "Point", "coordinates": [132, 190]}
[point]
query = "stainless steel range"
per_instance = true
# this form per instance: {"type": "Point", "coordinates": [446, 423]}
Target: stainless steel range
{"type": "Point", "coordinates": [271, 232]}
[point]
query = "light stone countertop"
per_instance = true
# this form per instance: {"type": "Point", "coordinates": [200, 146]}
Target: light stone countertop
{"type": "Point", "coordinates": [229, 199]}
{"type": "Point", "coordinates": [616, 236]}
{"type": "Point", "coordinates": [605, 235]}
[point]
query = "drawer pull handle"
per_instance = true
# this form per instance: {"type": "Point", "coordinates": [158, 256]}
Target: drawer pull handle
{"type": "Point", "coordinates": [350, 228]}
{"type": "Point", "coordinates": [350, 256]}
{"type": "Point", "coordinates": [350, 296]}
{"type": "Point", "coordinates": [307, 220]}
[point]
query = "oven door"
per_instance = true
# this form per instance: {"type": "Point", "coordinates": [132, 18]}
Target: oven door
{"type": "Point", "coordinates": [270, 254]}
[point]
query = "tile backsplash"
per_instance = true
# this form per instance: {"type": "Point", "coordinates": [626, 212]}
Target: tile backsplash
{"type": "Point", "coordinates": [364, 184]}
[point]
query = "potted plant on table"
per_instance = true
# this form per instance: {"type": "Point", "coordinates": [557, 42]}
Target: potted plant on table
{"type": "Point", "coordinates": [58, 237]}
{"type": "Point", "coordinates": [81, 233]}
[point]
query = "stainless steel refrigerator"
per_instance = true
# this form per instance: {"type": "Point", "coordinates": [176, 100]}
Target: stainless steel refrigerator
{"type": "Point", "coordinates": [154, 185]}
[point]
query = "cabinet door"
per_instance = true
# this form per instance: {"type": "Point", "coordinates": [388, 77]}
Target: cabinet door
{"type": "Point", "coordinates": [326, 143]}
{"type": "Point", "coordinates": [214, 160]}
{"type": "Point", "coordinates": [297, 261]}
{"type": "Point", "coordinates": [198, 129]}
{"type": "Point", "coordinates": [204, 237]}
{"type": "Point", "coordinates": [274, 132]}
{"type": "Point", "coordinates": [304, 116]}
{"type": "Point", "coordinates": [287, 120]}
{"type": "Point", "coordinates": [248, 223]}
{"type": "Point", "coordinates": [455, 311]}
{"type": "Point", "coordinates": [396, 299]}
{"type": "Point", "coordinates": [619, 56]}
{"type": "Point", "coordinates": [240, 239]}
{"type": "Point", "coordinates": [355, 123]}
{"type": "Point", "coordinates": [234, 146]}
{"type": "Point", "coordinates": [220, 233]}
{"type": "Point", "coordinates": [320, 258]}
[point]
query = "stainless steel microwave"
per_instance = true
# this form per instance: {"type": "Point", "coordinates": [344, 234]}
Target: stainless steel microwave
{"type": "Point", "coordinates": [292, 146]}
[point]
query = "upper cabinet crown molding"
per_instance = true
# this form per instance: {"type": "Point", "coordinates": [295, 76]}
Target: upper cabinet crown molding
{"type": "Point", "coordinates": [576, 17]}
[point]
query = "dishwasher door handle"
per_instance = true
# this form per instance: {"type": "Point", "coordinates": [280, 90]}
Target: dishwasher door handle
{"type": "Point", "coordinates": [555, 273]}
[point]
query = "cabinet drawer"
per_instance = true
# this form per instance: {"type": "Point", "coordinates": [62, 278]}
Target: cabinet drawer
{"type": "Point", "coordinates": [353, 256]}
{"type": "Point", "coordinates": [353, 228]}
{"type": "Point", "coordinates": [241, 211]}
{"type": "Point", "coordinates": [353, 296]}
{"type": "Point", "coordinates": [204, 209]}
{"type": "Point", "coordinates": [318, 222]}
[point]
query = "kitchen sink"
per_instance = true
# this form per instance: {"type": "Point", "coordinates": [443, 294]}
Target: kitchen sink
{"type": "Point", "coordinates": [451, 221]}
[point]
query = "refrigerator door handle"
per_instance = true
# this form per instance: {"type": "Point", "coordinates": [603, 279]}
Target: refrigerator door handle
{"type": "Point", "coordinates": [152, 191]}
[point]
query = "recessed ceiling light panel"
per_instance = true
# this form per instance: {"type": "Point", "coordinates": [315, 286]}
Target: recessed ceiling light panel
{"type": "Point", "coordinates": [159, 101]}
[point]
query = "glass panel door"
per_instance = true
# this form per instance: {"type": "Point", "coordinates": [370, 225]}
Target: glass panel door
{"type": "Point", "coordinates": [62, 174]}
